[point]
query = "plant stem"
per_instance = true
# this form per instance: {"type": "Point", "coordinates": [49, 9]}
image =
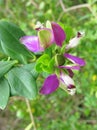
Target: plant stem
{"type": "Point", "coordinates": [65, 10]}
{"type": "Point", "coordinates": [31, 114]}
{"type": "Point", "coordinates": [73, 7]}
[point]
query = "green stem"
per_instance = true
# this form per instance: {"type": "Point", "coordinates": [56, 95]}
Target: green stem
{"type": "Point", "coordinates": [31, 114]}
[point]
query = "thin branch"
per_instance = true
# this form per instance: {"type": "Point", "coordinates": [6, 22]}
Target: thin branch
{"type": "Point", "coordinates": [77, 7]}
{"type": "Point", "coordinates": [62, 5]}
{"type": "Point", "coordinates": [30, 113]}
{"type": "Point", "coordinates": [89, 121]}
{"type": "Point", "coordinates": [34, 3]}
{"type": "Point", "coordinates": [88, 6]}
{"type": "Point", "coordinates": [73, 7]}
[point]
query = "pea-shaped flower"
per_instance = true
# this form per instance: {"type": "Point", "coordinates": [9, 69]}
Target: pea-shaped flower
{"type": "Point", "coordinates": [63, 80]}
{"type": "Point", "coordinates": [45, 37]}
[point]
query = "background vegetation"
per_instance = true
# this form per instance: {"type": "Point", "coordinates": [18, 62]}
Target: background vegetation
{"type": "Point", "coordinates": [57, 111]}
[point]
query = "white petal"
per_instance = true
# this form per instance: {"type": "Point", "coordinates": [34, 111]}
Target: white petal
{"type": "Point", "coordinates": [75, 41]}
{"type": "Point", "coordinates": [66, 79]}
{"type": "Point", "coordinates": [67, 84]}
{"type": "Point", "coordinates": [72, 91]}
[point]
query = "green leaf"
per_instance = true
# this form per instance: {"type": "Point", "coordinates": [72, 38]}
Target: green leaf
{"type": "Point", "coordinates": [50, 50]}
{"type": "Point", "coordinates": [44, 59]}
{"type": "Point", "coordinates": [45, 64]}
{"type": "Point", "coordinates": [1, 50]}
{"type": "Point", "coordinates": [52, 64]}
{"type": "Point", "coordinates": [10, 44]}
{"type": "Point", "coordinates": [31, 67]}
{"type": "Point", "coordinates": [39, 67]}
{"type": "Point", "coordinates": [5, 66]}
{"type": "Point", "coordinates": [4, 93]}
{"type": "Point", "coordinates": [22, 83]}
{"type": "Point", "coordinates": [42, 63]}
{"type": "Point", "coordinates": [45, 74]}
{"type": "Point", "coordinates": [59, 59]}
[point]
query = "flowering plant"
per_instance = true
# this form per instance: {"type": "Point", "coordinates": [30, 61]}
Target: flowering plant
{"type": "Point", "coordinates": [24, 58]}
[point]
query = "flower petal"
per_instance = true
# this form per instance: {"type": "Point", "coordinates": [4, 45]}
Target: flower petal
{"type": "Point", "coordinates": [68, 82]}
{"type": "Point", "coordinates": [46, 37]}
{"type": "Point", "coordinates": [71, 74]}
{"type": "Point", "coordinates": [59, 34]}
{"type": "Point", "coordinates": [66, 79]}
{"type": "Point", "coordinates": [74, 41]}
{"type": "Point", "coordinates": [75, 59]}
{"type": "Point", "coordinates": [50, 85]}
{"type": "Point", "coordinates": [73, 67]}
{"type": "Point", "coordinates": [32, 43]}
{"type": "Point", "coordinates": [38, 26]}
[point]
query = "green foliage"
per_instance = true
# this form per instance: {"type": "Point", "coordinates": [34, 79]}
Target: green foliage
{"type": "Point", "coordinates": [5, 66]}
{"type": "Point", "coordinates": [58, 111]}
{"type": "Point", "coordinates": [45, 64]}
{"type": "Point", "coordinates": [4, 93]}
{"type": "Point", "coordinates": [31, 68]}
{"type": "Point", "coordinates": [10, 44]}
{"type": "Point", "coordinates": [22, 83]}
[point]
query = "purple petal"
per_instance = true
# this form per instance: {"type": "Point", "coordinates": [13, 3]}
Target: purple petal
{"type": "Point", "coordinates": [71, 74]}
{"type": "Point", "coordinates": [50, 84]}
{"type": "Point", "coordinates": [59, 34]}
{"type": "Point", "coordinates": [74, 67]}
{"type": "Point", "coordinates": [68, 82]}
{"type": "Point", "coordinates": [32, 43]}
{"type": "Point", "coordinates": [75, 59]}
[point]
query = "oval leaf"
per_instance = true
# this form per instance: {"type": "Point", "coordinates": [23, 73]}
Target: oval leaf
{"type": "Point", "coordinates": [10, 44]}
{"type": "Point", "coordinates": [31, 68]}
{"type": "Point", "coordinates": [4, 93]}
{"type": "Point", "coordinates": [5, 66]}
{"type": "Point", "coordinates": [22, 83]}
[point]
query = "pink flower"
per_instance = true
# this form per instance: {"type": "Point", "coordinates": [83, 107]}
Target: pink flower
{"type": "Point", "coordinates": [46, 37]}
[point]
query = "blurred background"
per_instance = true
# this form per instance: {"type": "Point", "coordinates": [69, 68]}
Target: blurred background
{"type": "Point", "coordinates": [57, 111]}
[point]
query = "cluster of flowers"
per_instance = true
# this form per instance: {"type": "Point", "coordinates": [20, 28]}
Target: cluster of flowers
{"type": "Point", "coordinates": [53, 33]}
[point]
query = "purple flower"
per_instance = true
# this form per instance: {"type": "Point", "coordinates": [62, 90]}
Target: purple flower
{"type": "Point", "coordinates": [59, 34]}
{"type": "Point", "coordinates": [46, 37]}
{"type": "Point", "coordinates": [32, 43]}
{"type": "Point", "coordinates": [77, 63]}
{"type": "Point", "coordinates": [76, 60]}
{"type": "Point", "coordinates": [38, 43]}
{"type": "Point", "coordinates": [52, 82]}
